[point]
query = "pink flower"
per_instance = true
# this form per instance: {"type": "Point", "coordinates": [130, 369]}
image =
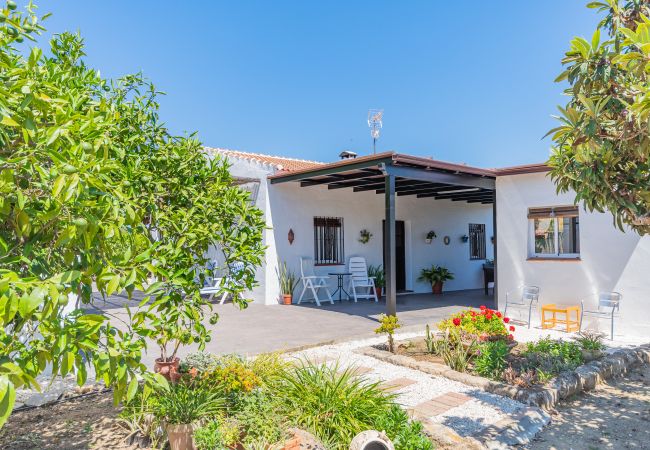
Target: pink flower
{"type": "Point", "coordinates": [498, 314]}
{"type": "Point", "coordinates": [506, 319]}
{"type": "Point", "coordinates": [511, 337]}
{"type": "Point", "coordinates": [483, 307]}
{"type": "Point", "coordinates": [456, 321]}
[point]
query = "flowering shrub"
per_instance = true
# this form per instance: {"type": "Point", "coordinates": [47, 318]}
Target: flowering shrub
{"type": "Point", "coordinates": [232, 374]}
{"type": "Point", "coordinates": [485, 323]}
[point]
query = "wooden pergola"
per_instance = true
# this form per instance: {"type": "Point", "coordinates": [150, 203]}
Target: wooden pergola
{"type": "Point", "coordinates": [393, 174]}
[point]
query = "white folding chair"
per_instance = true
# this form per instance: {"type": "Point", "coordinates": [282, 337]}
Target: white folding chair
{"type": "Point", "coordinates": [359, 279]}
{"type": "Point", "coordinates": [609, 304]}
{"type": "Point", "coordinates": [312, 281]}
{"type": "Point", "coordinates": [529, 297]}
{"type": "Point", "coordinates": [214, 285]}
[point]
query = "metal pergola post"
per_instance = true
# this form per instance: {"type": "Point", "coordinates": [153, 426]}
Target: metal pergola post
{"type": "Point", "coordinates": [389, 246]}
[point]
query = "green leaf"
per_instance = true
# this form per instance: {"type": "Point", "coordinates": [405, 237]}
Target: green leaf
{"type": "Point", "coordinates": [132, 389]}
{"type": "Point", "coordinates": [8, 121]}
{"type": "Point", "coordinates": [30, 302]}
{"type": "Point", "coordinates": [7, 398]}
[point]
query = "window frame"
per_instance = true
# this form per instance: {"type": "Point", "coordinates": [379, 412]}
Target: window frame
{"type": "Point", "coordinates": [338, 245]}
{"type": "Point", "coordinates": [555, 213]}
{"type": "Point", "coordinates": [477, 231]}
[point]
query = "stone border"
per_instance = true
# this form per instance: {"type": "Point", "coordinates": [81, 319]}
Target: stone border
{"type": "Point", "coordinates": [583, 378]}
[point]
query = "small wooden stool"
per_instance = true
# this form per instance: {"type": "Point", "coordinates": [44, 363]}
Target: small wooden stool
{"type": "Point", "coordinates": [553, 320]}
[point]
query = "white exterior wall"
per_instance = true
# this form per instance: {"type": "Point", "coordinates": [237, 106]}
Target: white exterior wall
{"type": "Point", "coordinates": [610, 260]}
{"type": "Point", "coordinates": [294, 207]}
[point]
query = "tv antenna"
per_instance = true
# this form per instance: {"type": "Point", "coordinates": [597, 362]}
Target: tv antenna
{"type": "Point", "coordinates": [375, 123]}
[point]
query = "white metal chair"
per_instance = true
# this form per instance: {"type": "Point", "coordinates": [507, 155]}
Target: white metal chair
{"type": "Point", "coordinates": [359, 279]}
{"type": "Point", "coordinates": [214, 285]}
{"type": "Point", "coordinates": [609, 304]}
{"type": "Point", "coordinates": [312, 281]}
{"type": "Point", "coordinates": [529, 297]}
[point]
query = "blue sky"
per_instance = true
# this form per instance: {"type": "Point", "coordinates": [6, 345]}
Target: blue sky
{"type": "Point", "coordinates": [459, 81]}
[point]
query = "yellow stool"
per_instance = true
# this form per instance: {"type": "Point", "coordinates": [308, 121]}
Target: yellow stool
{"type": "Point", "coordinates": [555, 310]}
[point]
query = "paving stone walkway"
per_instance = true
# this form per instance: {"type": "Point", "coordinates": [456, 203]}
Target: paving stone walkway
{"type": "Point", "coordinates": [465, 409]}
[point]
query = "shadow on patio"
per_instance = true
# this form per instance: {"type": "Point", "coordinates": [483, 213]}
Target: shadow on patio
{"type": "Point", "coordinates": [412, 309]}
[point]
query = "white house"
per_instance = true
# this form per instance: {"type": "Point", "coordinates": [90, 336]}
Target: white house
{"type": "Point", "coordinates": [540, 238]}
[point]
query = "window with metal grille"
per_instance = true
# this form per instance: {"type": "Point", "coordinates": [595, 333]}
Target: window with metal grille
{"type": "Point", "coordinates": [328, 240]}
{"type": "Point", "coordinates": [476, 241]}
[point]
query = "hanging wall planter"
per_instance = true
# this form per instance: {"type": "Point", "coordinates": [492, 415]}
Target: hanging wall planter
{"type": "Point", "coordinates": [431, 235]}
{"type": "Point", "coordinates": [364, 236]}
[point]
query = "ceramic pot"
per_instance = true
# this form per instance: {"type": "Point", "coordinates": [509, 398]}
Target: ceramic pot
{"type": "Point", "coordinates": [436, 287]}
{"type": "Point", "coordinates": [287, 299]}
{"type": "Point", "coordinates": [181, 436]}
{"type": "Point", "coordinates": [378, 291]}
{"type": "Point", "coordinates": [168, 369]}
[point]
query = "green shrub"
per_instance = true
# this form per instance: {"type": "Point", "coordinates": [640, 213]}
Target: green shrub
{"type": "Point", "coordinates": [137, 417]}
{"type": "Point", "coordinates": [257, 415]}
{"type": "Point", "coordinates": [405, 434]}
{"type": "Point", "coordinates": [490, 361]}
{"type": "Point", "coordinates": [187, 402]}
{"type": "Point", "coordinates": [201, 361]}
{"type": "Point", "coordinates": [552, 357]}
{"type": "Point", "coordinates": [222, 434]}
{"type": "Point", "coordinates": [590, 341]}
{"type": "Point", "coordinates": [334, 405]}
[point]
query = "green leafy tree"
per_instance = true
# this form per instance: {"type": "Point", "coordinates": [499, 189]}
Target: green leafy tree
{"type": "Point", "coordinates": [602, 148]}
{"type": "Point", "coordinates": [97, 195]}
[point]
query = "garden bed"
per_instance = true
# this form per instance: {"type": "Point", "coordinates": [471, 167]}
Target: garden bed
{"type": "Point", "coordinates": [410, 354]}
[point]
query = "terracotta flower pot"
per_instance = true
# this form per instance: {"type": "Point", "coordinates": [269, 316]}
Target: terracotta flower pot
{"type": "Point", "coordinates": [181, 436]}
{"type": "Point", "coordinates": [287, 299]}
{"type": "Point", "coordinates": [168, 369]}
{"type": "Point", "coordinates": [378, 291]}
{"type": "Point", "coordinates": [436, 287]}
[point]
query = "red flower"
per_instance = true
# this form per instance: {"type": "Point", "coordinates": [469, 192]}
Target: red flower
{"type": "Point", "coordinates": [489, 316]}
{"type": "Point", "coordinates": [483, 307]}
{"type": "Point", "coordinates": [456, 321]}
{"type": "Point", "coordinates": [473, 313]}
{"type": "Point", "coordinates": [473, 319]}
{"type": "Point", "coordinates": [512, 328]}
{"type": "Point", "coordinates": [498, 314]}
{"type": "Point", "coordinates": [511, 337]}
{"type": "Point", "coordinates": [506, 319]}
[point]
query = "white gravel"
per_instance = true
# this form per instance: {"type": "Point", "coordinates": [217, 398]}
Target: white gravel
{"type": "Point", "coordinates": [471, 417]}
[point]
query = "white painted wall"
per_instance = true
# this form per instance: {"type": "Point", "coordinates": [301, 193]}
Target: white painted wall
{"type": "Point", "coordinates": [294, 207]}
{"type": "Point", "coordinates": [289, 206]}
{"type": "Point", "coordinates": [610, 260]}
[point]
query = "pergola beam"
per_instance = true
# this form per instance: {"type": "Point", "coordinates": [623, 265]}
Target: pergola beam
{"type": "Point", "coordinates": [454, 179]}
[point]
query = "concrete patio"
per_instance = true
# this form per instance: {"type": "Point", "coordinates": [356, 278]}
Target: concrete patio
{"type": "Point", "coordinates": [261, 328]}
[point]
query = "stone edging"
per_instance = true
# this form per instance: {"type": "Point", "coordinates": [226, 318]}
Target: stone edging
{"type": "Point", "coordinates": [585, 377]}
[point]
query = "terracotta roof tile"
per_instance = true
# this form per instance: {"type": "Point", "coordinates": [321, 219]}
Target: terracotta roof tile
{"type": "Point", "coordinates": [280, 163]}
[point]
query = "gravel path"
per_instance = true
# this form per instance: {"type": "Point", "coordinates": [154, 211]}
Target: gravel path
{"type": "Point", "coordinates": [465, 409]}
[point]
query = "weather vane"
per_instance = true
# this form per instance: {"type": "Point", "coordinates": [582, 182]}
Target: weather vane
{"type": "Point", "coordinates": [374, 122]}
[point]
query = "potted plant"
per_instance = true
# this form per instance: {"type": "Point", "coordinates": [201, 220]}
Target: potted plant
{"type": "Point", "coordinates": [436, 275]}
{"type": "Point", "coordinates": [377, 272]}
{"type": "Point", "coordinates": [288, 281]}
{"type": "Point", "coordinates": [180, 405]}
{"type": "Point", "coordinates": [431, 235]}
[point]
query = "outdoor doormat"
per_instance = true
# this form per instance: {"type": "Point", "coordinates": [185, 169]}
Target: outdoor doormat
{"type": "Point", "coordinates": [564, 385]}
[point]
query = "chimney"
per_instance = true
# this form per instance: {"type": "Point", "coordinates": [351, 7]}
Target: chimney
{"type": "Point", "coordinates": [347, 154]}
